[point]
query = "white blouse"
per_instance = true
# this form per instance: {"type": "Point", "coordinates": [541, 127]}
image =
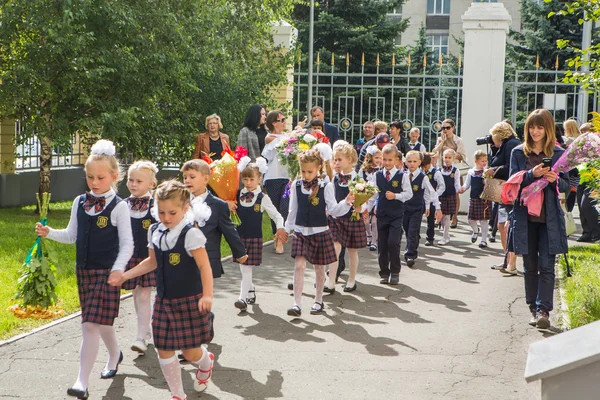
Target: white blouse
{"type": "Point", "coordinates": [194, 239]}
{"type": "Point", "coordinates": [276, 170]}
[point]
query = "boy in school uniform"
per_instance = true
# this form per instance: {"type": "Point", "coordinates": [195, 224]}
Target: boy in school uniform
{"type": "Point", "coordinates": [437, 183]}
{"type": "Point", "coordinates": [394, 190]}
{"type": "Point", "coordinates": [414, 143]}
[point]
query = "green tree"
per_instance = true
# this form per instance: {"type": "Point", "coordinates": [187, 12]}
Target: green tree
{"type": "Point", "coordinates": [351, 26]}
{"type": "Point", "coordinates": [143, 74]}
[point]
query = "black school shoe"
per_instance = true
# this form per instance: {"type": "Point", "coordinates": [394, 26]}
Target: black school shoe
{"type": "Point", "coordinates": [410, 262]}
{"type": "Point", "coordinates": [317, 308]}
{"type": "Point", "coordinates": [294, 311]}
{"type": "Point", "coordinates": [384, 280]}
{"type": "Point", "coordinates": [350, 288]}
{"type": "Point", "coordinates": [80, 394]}
{"type": "Point", "coordinates": [241, 305]}
{"type": "Point", "coordinates": [110, 373]}
{"type": "Point", "coordinates": [329, 290]}
{"type": "Point", "coordinates": [394, 279]}
{"type": "Point", "coordinates": [429, 243]}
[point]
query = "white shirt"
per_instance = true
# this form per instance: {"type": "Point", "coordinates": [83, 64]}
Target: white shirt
{"type": "Point", "coordinates": [456, 177]}
{"type": "Point", "coordinates": [406, 193]}
{"type": "Point", "coordinates": [334, 209]}
{"type": "Point", "coordinates": [429, 196]}
{"type": "Point", "coordinates": [138, 214]}
{"type": "Point", "coordinates": [119, 217]}
{"type": "Point", "coordinates": [468, 180]}
{"type": "Point", "coordinates": [276, 170]}
{"type": "Point", "coordinates": [441, 184]}
{"type": "Point", "coordinates": [265, 205]}
{"type": "Point", "coordinates": [194, 239]}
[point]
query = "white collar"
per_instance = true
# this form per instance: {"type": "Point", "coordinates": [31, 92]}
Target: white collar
{"type": "Point", "coordinates": [147, 194]}
{"type": "Point", "coordinates": [392, 171]}
{"type": "Point", "coordinates": [203, 196]}
{"type": "Point", "coordinates": [106, 195]}
{"type": "Point", "coordinates": [415, 172]}
{"type": "Point", "coordinates": [351, 173]}
{"type": "Point", "coordinates": [176, 230]}
{"type": "Point", "coordinates": [255, 191]}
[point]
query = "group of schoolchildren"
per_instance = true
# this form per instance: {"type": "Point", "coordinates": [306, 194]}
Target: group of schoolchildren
{"type": "Point", "coordinates": [168, 237]}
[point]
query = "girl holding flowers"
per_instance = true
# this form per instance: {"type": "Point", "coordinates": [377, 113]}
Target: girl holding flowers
{"type": "Point", "coordinates": [347, 232]}
{"type": "Point", "coordinates": [367, 171]}
{"type": "Point", "coordinates": [538, 238]}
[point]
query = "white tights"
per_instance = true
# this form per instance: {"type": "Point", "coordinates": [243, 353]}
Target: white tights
{"type": "Point", "coordinates": [247, 284]}
{"type": "Point", "coordinates": [446, 226]}
{"type": "Point", "coordinates": [88, 353]}
{"type": "Point", "coordinates": [143, 309]}
{"type": "Point", "coordinates": [172, 373]}
{"type": "Point", "coordinates": [299, 281]}
{"type": "Point", "coordinates": [484, 228]}
{"type": "Point", "coordinates": [353, 258]}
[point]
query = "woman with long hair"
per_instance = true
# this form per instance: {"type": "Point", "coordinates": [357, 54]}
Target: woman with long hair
{"type": "Point", "coordinates": [253, 133]}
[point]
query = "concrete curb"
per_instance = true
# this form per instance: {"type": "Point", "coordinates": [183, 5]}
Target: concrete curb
{"type": "Point", "coordinates": [564, 307]}
{"type": "Point", "coordinates": [78, 313]}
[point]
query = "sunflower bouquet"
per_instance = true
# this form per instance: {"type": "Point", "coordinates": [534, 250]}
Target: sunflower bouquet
{"type": "Point", "coordinates": [299, 141]}
{"type": "Point", "coordinates": [362, 191]}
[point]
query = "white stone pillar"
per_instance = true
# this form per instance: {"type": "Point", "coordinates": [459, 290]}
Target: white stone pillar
{"type": "Point", "coordinates": [486, 26]}
{"type": "Point", "coordinates": [284, 38]}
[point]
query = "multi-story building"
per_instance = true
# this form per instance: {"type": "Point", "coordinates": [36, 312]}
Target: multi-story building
{"type": "Point", "coordinates": [442, 21]}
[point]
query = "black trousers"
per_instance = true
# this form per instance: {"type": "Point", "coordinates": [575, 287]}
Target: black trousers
{"type": "Point", "coordinates": [431, 224]}
{"type": "Point", "coordinates": [587, 212]}
{"type": "Point", "coordinates": [411, 223]}
{"type": "Point", "coordinates": [388, 245]}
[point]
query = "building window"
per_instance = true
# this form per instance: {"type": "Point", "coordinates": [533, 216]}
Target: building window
{"type": "Point", "coordinates": [396, 11]}
{"type": "Point", "coordinates": [438, 44]}
{"type": "Point", "coordinates": [438, 7]}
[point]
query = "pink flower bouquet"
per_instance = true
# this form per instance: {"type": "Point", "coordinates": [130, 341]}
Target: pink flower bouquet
{"type": "Point", "coordinates": [363, 191]}
{"type": "Point", "coordinates": [300, 140]}
{"type": "Point", "coordinates": [585, 148]}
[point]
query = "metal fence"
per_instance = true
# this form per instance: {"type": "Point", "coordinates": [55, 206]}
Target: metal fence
{"type": "Point", "coordinates": [28, 151]}
{"type": "Point", "coordinates": [419, 97]}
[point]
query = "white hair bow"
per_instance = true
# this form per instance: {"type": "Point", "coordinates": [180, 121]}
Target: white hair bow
{"type": "Point", "coordinates": [104, 146]}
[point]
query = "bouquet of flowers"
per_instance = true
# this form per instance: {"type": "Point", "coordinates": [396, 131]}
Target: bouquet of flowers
{"type": "Point", "coordinates": [300, 140]}
{"type": "Point", "coordinates": [225, 180]}
{"type": "Point", "coordinates": [589, 175]}
{"type": "Point", "coordinates": [363, 191]}
{"type": "Point", "coordinates": [584, 149]}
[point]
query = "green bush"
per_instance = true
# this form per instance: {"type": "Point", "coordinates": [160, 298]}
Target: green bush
{"type": "Point", "coordinates": [582, 290]}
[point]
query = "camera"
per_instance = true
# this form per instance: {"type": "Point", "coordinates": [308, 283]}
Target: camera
{"type": "Point", "coordinates": [484, 140]}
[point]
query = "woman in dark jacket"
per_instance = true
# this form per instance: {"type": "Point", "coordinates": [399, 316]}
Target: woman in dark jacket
{"type": "Point", "coordinates": [538, 239]}
{"type": "Point", "coordinates": [504, 141]}
{"type": "Point", "coordinates": [252, 135]}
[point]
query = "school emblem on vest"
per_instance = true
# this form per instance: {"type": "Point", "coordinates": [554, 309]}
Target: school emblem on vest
{"type": "Point", "coordinates": [452, 176]}
{"type": "Point", "coordinates": [395, 184]}
{"type": "Point", "coordinates": [102, 222]}
{"type": "Point", "coordinates": [174, 258]}
{"type": "Point", "coordinates": [415, 188]}
{"type": "Point", "coordinates": [257, 207]}
{"type": "Point", "coordinates": [146, 223]}
{"type": "Point", "coordinates": [314, 201]}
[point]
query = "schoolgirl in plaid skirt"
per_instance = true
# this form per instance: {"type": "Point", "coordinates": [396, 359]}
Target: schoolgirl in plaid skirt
{"type": "Point", "coordinates": [184, 288]}
{"type": "Point", "coordinates": [479, 210]}
{"type": "Point", "coordinates": [101, 229]}
{"type": "Point", "coordinates": [346, 232]}
{"type": "Point", "coordinates": [370, 166]}
{"type": "Point", "coordinates": [141, 178]}
{"type": "Point", "coordinates": [448, 200]}
{"type": "Point", "coordinates": [311, 200]}
{"type": "Point", "coordinates": [250, 205]}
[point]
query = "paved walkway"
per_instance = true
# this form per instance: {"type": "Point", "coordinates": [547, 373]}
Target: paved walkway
{"type": "Point", "coordinates": [453, 329]}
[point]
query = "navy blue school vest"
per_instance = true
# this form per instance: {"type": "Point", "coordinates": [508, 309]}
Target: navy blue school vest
{"type": "Point", "coordinates": [97, 245]}
{"type": "Point", "coordinates": [431, 176]}
{"type": "Point", "coordinates": [251, 218]}
{"type": "Point", "coordinates": [389, 208]}
{"type": "Point", "coordinates": [177, 274]}
{"type": "Point", "coordinates": [139, 228]}
{"type": "Point", "coordinates": [476, 186]}
{"type": "Point", "coordinates": [416, 146]}
{"type": "Point", "coordinates": [417, 203]}
{"type": "Point", "coordinates": [449, 181]}
{"type": "Point", "coordinates": [311, 212]}
{"type": "Point", "coordinates": [340, 194]}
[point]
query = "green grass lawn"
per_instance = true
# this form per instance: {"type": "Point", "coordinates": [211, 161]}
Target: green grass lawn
{"type": "Point", "coordinates": [582, 290]}
{"type": "Point", "coordinates": [17, 227]}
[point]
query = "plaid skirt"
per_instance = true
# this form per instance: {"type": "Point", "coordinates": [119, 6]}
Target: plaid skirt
{"type": "Point", "coordinates": [254, 249]}
{"type": "Point", "coordinates": [479, 209]}
{"type": "Point", "coordinates": [99, 301]}
{"type": "Point", "coordinates": [178, 324]}
{"type": "Point", "coordinates": [146, 280]}
{"type": "Point", "coordinates": [449, 204]}
{"type": "Point", "coordinates": [350, 234]}
{"type": "Point", "coordinates": [318, 249]}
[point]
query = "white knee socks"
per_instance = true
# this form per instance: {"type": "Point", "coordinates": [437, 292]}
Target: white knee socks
{"type": "Point", "coordinates": [172, 373]}
{"type": "Point", "coordinates": [246, 271]}
{"type": "Point", "coordinates": [446, 226]}
{"type": "Point", "coordinates": [107, 332]}
{"type": "Point", "coordinates": [484, 228]}
{"type": "Point", "coordinates": [87, 354]}
{"type": "Point", "coordinates": [143, 309]}
{"type": "Point", "coordinates": [204, 364]}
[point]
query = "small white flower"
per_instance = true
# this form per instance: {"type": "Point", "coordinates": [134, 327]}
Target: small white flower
{"type": "Point", "coordinates": [309, 138]}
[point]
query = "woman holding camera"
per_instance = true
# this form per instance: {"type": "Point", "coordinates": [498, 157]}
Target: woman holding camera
{"type": "Point", "coordinates": [538, 238]}
{"type": "Point", "coordinates": [504, 141]}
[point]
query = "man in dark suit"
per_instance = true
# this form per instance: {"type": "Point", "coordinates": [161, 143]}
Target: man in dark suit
{"type": "Point", "coordinates": [217, 225]}
{"type": "Point", "coordinates": [331, 131]}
